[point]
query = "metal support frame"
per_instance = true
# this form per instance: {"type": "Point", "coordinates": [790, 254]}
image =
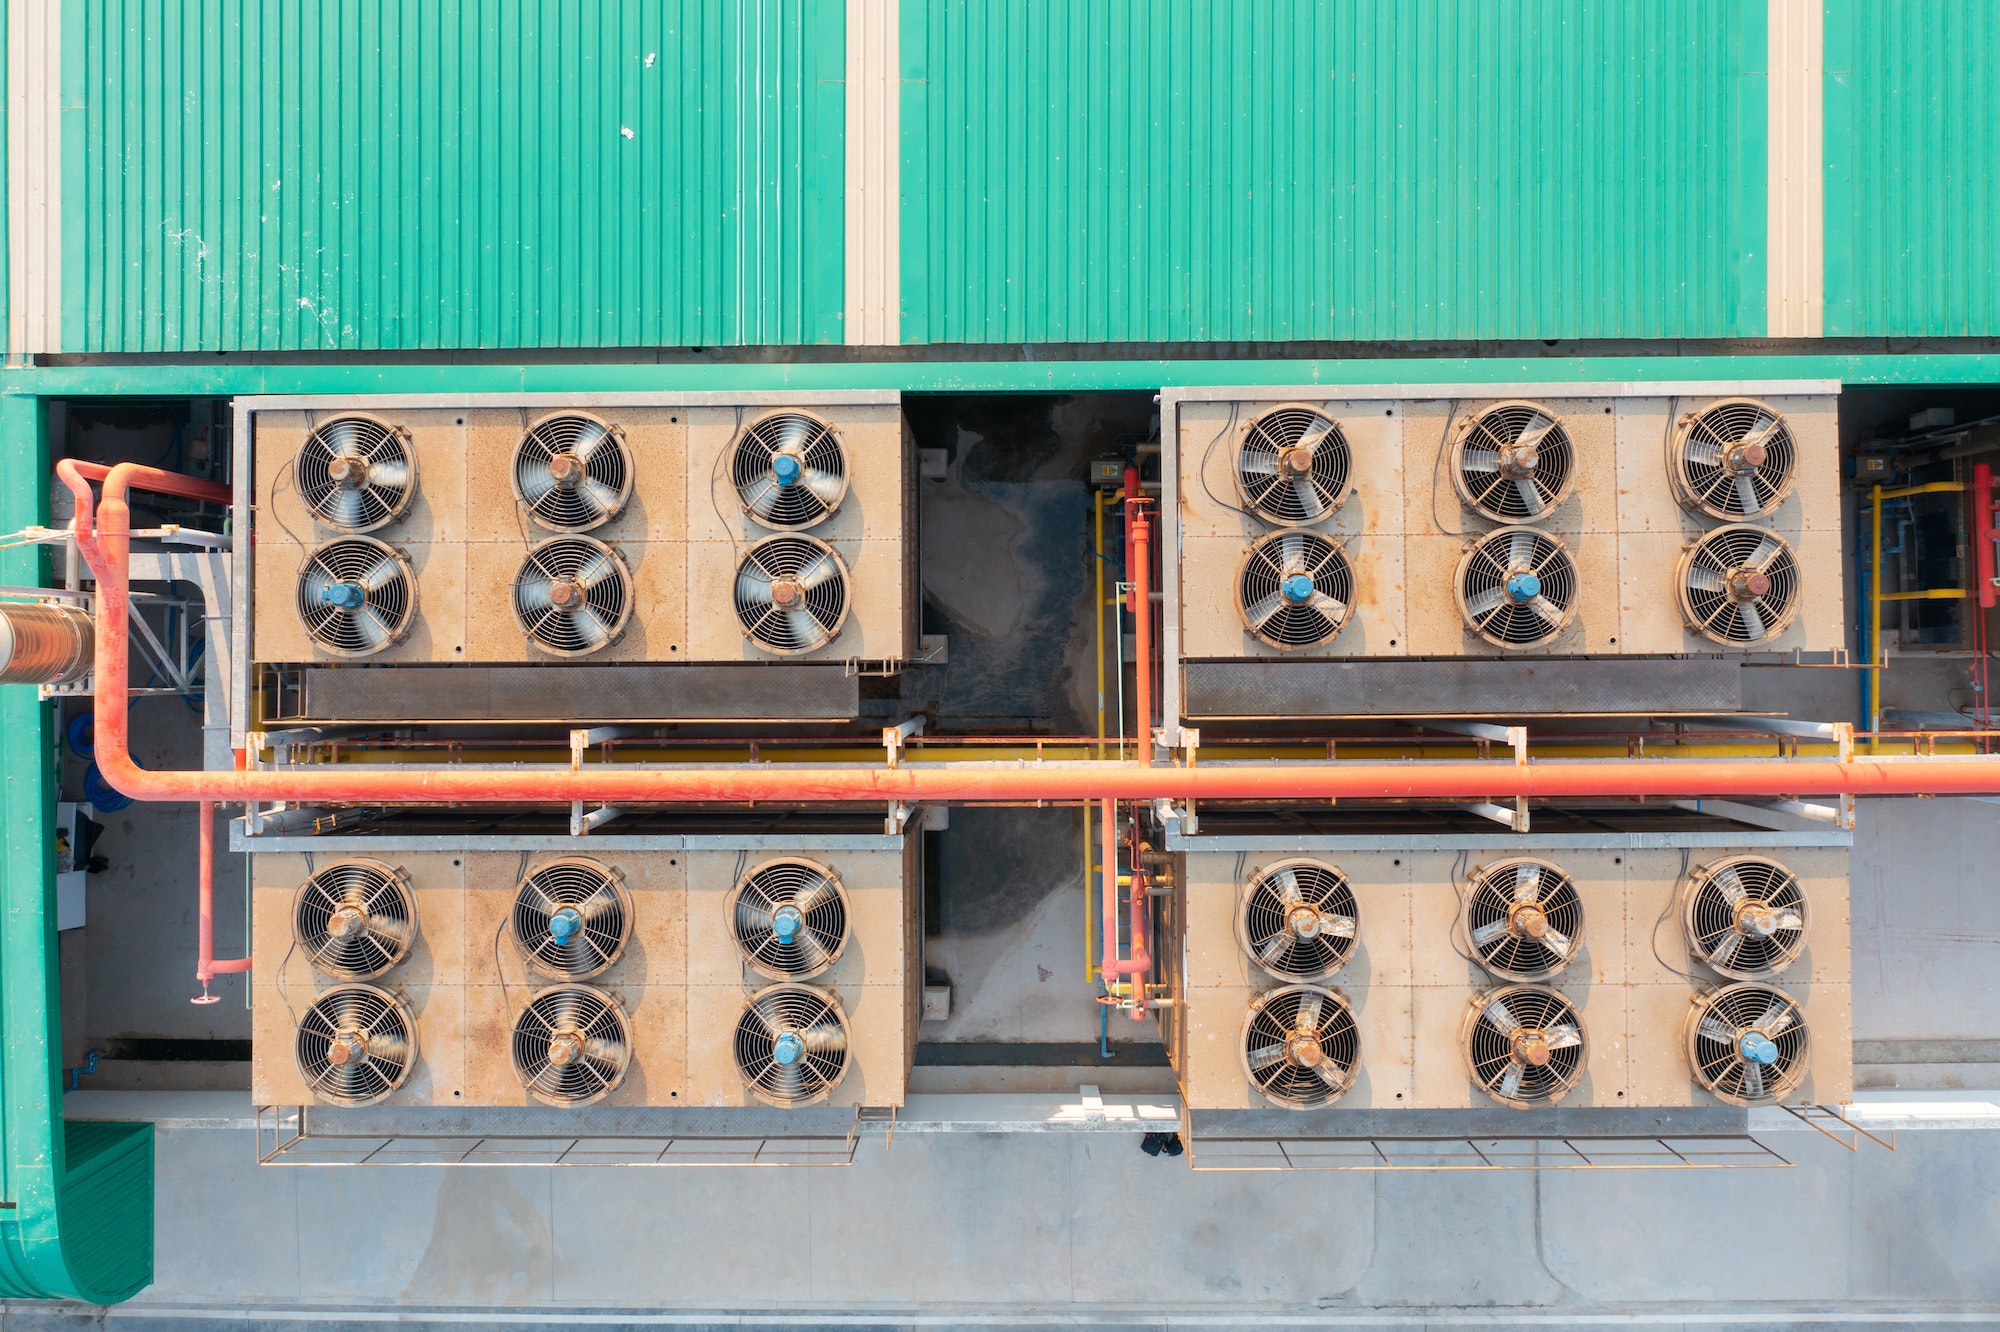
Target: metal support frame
{"type": "Point", "coordinates": [893, 737]}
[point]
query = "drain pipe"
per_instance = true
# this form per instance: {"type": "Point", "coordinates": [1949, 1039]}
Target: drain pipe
{"type": "Point", "coordinates": [106, 549]}
{"type": "Point", "coordinates": [207, 967]}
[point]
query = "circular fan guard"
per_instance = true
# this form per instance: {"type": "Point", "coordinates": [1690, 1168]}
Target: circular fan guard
{"type": "Point", "coordinates": [1301, 1047]}
{"type": "Point", "coordinates": [1523, 918]}
{"type": "Point", "coordinates": [356, 473]}
{"type": "Point", "coordinates": [355, 918]}
{"type": "Point", "coordinates": [789, 470]}
{"type": "Point", "coordinates": [791, 1045]}
{"type": "Point", "coordinates": [572, 596]}
{"type": "Point", "coordinates": [1746, 916]}
{"type": "Point", "coordinates": [791, 594]}
{"type": "Point", "coordinates": [572, 472]}
{"type": "Point", "coordinates": [571, 1045]}
{"type": "Point", "coordinates": [1739, 586]}
{"type": "Point", "coordinates": [790, 918]}
{"type": "Point", "coordinates": [1524, 1044]}
{"type": "Point", "coordinates": [356, 596]}
{"type": "Point", "coordinates": [572, 918]}
{"type": "Point", "coordinates": [1293, 466]}
{"type": "Point", "coordinates": [1295, 590]}
{"type": "Point", "coordinates": [1733, 460]}
{"type": "Point", "coordinates": [1747, 1043]}
{"type": "Point", "coordinates": [1516, 587]}
{"type": "Point", "coordinates": [1513, 463]}
{"type": "Point", "coordinates": [1298, 920]}
{"type": "Point", "coordinates": [356, 1044]}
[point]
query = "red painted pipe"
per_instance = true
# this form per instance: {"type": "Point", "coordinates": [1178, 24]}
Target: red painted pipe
{"type": "Point", "coordinates": [107, 552]}
{"type": "Point", "coordinates": [1112, 965]}
{"type": "Point", "coordinates": [207, 967]}
{"type": "Point", "coordinates": [1142, 633]}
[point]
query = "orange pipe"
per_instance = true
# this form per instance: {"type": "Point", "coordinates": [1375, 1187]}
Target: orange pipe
{"type": "Point", "coordinates": [1112, 964]}
{"type": "Point", "coordinates": [207, 968]}
{"type": "Point", "coordinates": [107, 549]}
{"type": "Point", "coordinates": [1142, 631]}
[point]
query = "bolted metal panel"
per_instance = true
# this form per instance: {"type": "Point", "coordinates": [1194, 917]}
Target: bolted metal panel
{"type": "Point", "coordinates": [1496, 687]}
{"type": "Point", "coordinates": [1111, 170]}
{"type": "Point", "coordinates": [397, 174]}
{"type": "Point", "coordinates": [579, 693]}
{"type": "Point", "coordinates": [1912, 201]}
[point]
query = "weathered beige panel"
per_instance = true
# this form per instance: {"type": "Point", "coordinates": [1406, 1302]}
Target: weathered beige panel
{"type": "Point", "coordinates": [872, 437]}
{"type": "Point", "coordinates": [875, 624]}
{"type": "Point", "coordinates": [877, 1068]}
{"type": "Point", "coordinates": [1438, 629]}
{"type": "Point", "coordinates": [1211, 505]}
{"type": "Point", "coordinates": [1213, 620]}
{"type": "Point", "coordinates": [656, 437]}
{"type": "Point", "coordinates": [1432, 504]}
{"type": "Point", "coordinates": [656, 631]}
{"type": "Point", "coordinates": [877, 918]}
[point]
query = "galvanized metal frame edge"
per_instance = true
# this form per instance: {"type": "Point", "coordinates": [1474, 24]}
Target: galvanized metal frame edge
{"type": "Point", "coordinates": [1754, 838]}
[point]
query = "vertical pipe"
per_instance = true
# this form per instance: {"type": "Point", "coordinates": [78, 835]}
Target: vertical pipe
{"type": "Point", "coordinates": [1138, 574]}
{"type": "Point", "coordinates": [1107, 904]}
{"type": "Point", "coordinates": [1875, 653]}
{"type": "Point", "coordinates": [1097, 616]}
{"type": "Point", "coordinates": [207, 968]}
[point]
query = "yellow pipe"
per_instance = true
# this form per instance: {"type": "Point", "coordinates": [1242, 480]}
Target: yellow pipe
{"type": "Point", "coordinates": [1928, 488]}
{"type": "Point", "coordinates": [1928, 594]}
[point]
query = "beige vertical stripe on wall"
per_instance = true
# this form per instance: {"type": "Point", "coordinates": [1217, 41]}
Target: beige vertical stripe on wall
{"type": "Point", "coordinates": [34, 176]}
{"type": "Point", "coordinates": [1794, 291]}
{"type": "Point", "coordinates": [874, 150]}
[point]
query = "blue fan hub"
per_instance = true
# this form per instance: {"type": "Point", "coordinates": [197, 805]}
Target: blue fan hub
{"type": "Point", "coordinates": [1523, 586]}
{"type": "Point", "coordinates": [565, 924]}
{"type": "Point", "coordinates": [1297, 588]}
{"type": "Point", "coordinates": [787, 921]}
{"type": "Point", "coordinates": [1758, 1048]}
{"type": "Point", "coordinates": [787, 469]}
{"type": "Point", "coordinates": [347, 596]}
{"type": "Point", "coordinates": [788, 1048]}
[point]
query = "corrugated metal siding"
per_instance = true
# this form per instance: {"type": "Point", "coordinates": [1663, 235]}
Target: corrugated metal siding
{"type": "Point", "coordinates": [280, 174]}
{"type": "Point", "coordinates": [1912, 167]}
{"type": "Point", "coordinates": [1112, 170]}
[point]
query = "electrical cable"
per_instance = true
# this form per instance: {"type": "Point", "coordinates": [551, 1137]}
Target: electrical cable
{"type": "Point", "coordinates": [1437, 468]}
{"type": "Point", "coordinates": [1653, 939]}
{"type": "Point", "coordinates": [1229, 427]}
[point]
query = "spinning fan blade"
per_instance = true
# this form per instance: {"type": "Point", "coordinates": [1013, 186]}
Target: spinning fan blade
{"type": "Point", "coordinates": [1528, 884]}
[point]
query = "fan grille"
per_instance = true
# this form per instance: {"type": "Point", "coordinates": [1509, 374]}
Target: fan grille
{"type": "Point", "coordinates": [355, 918]}
{"type": "Point", "coordinates": [571, 1045]}
{"type": "Point", "coordinates": [1523, 918]}
{"type": "Point", "coordinates": [790, 470]}
{"type": "Point", "coordinates": [1746, 916]}
{"type": "Point", "coordinates": [1720, 1026]}
{"type": "Point", "coordinates": [572, 472]}
{"type": "Point", "coordinates": [1513, 463]}
{"type": "Point", "coordinates": [1516, 587]}
{"type": "Point", "coordinates": [1734, 460]}
{"type": "Point", "coordinates": [1525, 1045]}
{"type": "Point", "coordinates": [791, 1045]}
{"type": "Point", "coordinates": [356, 596]}
{"type": "Point", "coordinates": [572, 918]}
{"type": "Point", "coordinates": [1739, 586]}
{"type": "Point", "coordinates": [1301, 1047]}
{"type": "Point", "coordinates": [1295, 590]}
{"type": "Point", "coordinates": [1293, 466]}
{"type": "Point", "coordinates": [791, 594]}
{"type": "Point", "coordinates": [356, 1044]}
{"type": "Point", "coordinates": [572, 596]}
{"type": "Point", "coordinates": [789, 918]}
{"type": "Point", "coordinates": [1298, 920]}
{"type": "Point", "coordinates": [355, 473]}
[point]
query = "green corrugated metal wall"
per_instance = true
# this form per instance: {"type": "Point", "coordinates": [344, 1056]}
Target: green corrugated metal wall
{"type": "Point", "coordinates": [1912, 167]}
{"type": "Point", "coordinates": [1113, 170]}
{"type": "Point", "coordinates": [270, 174]}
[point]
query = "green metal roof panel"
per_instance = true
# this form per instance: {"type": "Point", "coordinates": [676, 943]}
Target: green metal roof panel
{"type": "Point", "coordinates": [1116, 170]}
{"type": "Point", "coordinates": [399, 174]}
{"type": "Point", "coordinates": [1912, 168]}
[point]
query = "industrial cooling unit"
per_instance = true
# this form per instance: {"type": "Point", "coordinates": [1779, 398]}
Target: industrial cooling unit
{"type": "Point", "coordinates": [1530, 549]}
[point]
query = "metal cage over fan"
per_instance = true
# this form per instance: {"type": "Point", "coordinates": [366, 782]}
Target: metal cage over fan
{"type": "Point", "coordinates": [1298, 920]}
{"type": "Point", "coordinates": [791, 594]}
{"type": "Point", "coordinates": [356, 473]}
{"type": "Point", "coordinates": [355, 918]}
{"type": "Point", "coordinates": [571, 1045]}
{"type": "Point", "coordinates": [790, 470]}
{"type": "Point", "coordinates": [1733, 460]}
{"type": "Point", "coordinates": [356, 1044]}
{"type": "Point", "coordinates": [356, 596]}
{"type": "Point", "coordinates": [1524, 1045]}
{"type": "Point", "coordinates": [1522, 918]}
{"type": "Point", "coordinates": [572, 596]}
{"type": "Point", "coordinates": [1301, 1047]}
{"type": "Point", "coordinates": [1517, 587]}
{"type": "Point", "coordinates": [791, 1045]}
{"type": "Point", "coordinates": [572, 917]}
{"type": "Point", "coordinates": [1739, 586]}
{"type": "Point", "coordinates": [1747, 1043]}
{"type": "Point", "coordinates": [790, 918]}
{"type": "Point", "coordinates": [1513, 462]}
{"type": "Point", "coordinates": [1295, 590]}
{"type": "Point", "coordinates": [572, 472]}
{"type": "Point", "coordinates": [1293, 466]}
{"type": "Point", "coordinates": [1745, 916]}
